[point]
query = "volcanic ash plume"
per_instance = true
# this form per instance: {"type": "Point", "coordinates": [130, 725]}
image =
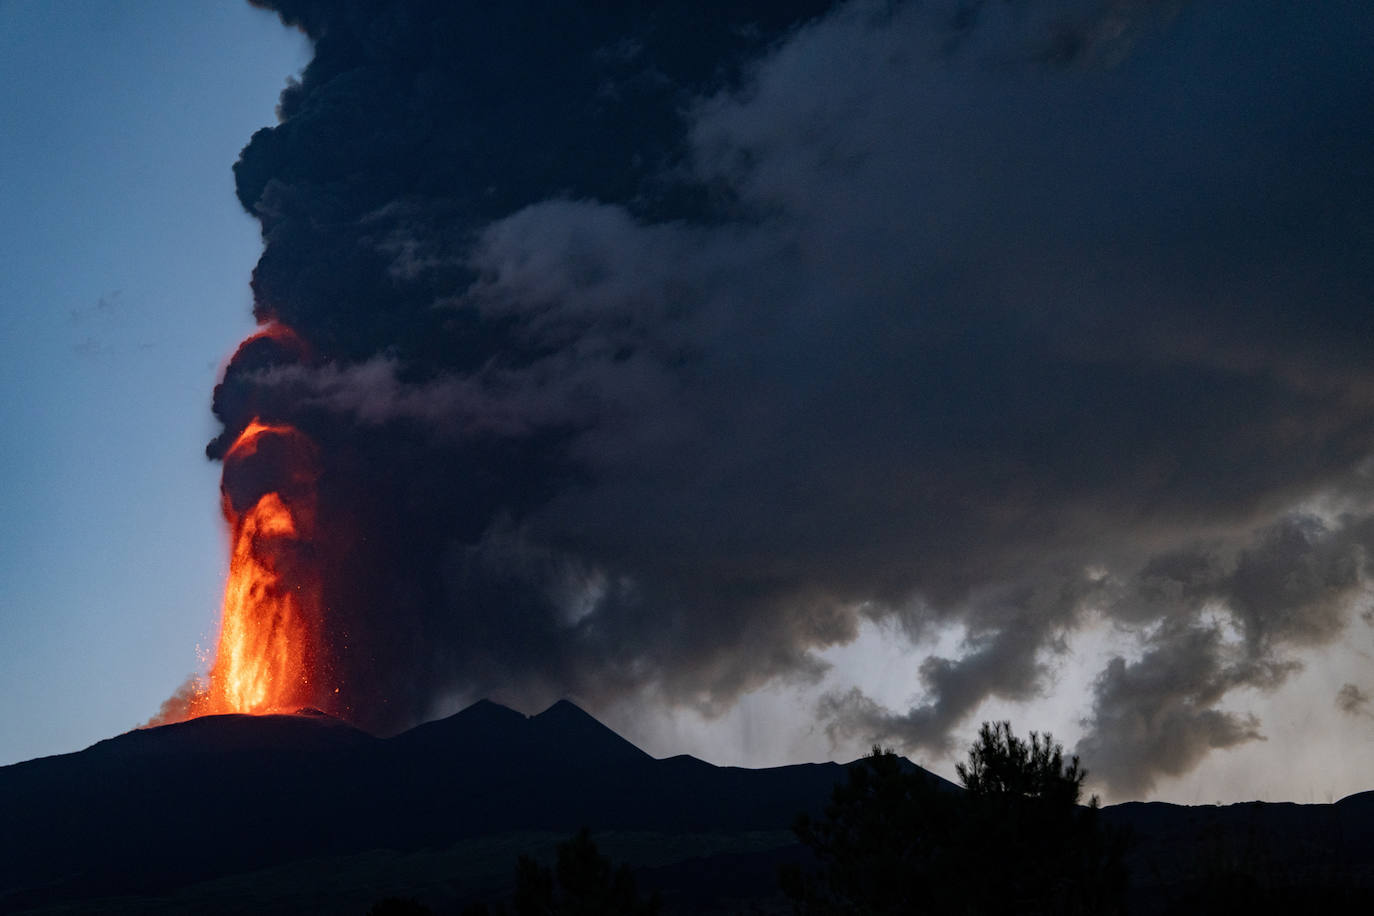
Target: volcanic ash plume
{"type": "Point", "coordinates": [654, 350]}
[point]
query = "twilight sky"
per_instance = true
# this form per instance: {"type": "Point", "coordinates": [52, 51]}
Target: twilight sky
{"type": "Point", "coordinates": [771, 382]}
{"type": "Point", "coordinates": [124, 289]}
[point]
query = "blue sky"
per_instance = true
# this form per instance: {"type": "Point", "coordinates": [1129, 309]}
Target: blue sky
{"type": "Point", "coordinates": [124, 289]}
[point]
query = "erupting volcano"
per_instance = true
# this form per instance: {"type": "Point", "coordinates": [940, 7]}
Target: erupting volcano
{"type": "Point", "coordinates": [272, 653]}
{"type": "Point", "coordinates": [269, 653]}
{"type": "Point", "coordinates": [276, 651]}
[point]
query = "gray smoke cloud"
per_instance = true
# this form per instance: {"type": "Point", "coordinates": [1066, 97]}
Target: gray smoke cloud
{"type": "Point", "coordinates": [1351, 700]}
{"type": "Point", "coordinates": [659, 355]}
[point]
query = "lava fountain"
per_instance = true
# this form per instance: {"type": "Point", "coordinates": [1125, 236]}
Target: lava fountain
{"type": "Point", "coordinates": [270, 655]}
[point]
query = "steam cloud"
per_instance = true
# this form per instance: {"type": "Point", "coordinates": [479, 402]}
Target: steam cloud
{"type": "Point", "coordinates": [655, 350]}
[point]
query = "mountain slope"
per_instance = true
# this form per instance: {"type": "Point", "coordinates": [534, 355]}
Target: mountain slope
{"type": "Point", "coordinates": [161, 808]}
{"type": "Point", "coordinates": [265, 814]}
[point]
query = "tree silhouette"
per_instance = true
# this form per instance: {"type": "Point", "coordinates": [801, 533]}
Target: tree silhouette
{"type": "Point", "coordinates": [883, 844]}
{"type": "Point", "coordinates": [590, 885]}
{"type": "Point", "coordinates": [1001, 764]}
{"type": "Point", "coordinates": [1052, 855]}
{"type": "Point", "coordinates": [582, 883]}
{"type": "Point", "coordinates": [894, 840]}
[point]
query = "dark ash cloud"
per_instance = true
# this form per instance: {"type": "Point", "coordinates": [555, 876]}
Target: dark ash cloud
{"type": "Point", "coordinates": [654, 350]}
{"type": "Point", "coordinates": [1353, 701]}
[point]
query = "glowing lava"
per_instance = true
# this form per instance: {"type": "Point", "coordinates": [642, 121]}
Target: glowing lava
{"type": "Point", "coordinates": [269, 650]}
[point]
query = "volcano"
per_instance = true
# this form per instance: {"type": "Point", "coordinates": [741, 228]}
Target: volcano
{"type": "Point", "coordinates": [155, 811]}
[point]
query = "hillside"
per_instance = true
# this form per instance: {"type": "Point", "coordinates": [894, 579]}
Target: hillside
{"type": "Point", "coordinates": [290, 813]}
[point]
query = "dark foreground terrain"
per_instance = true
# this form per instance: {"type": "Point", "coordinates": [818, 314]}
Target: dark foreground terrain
{"type": "Point", "coordinates": [238, 814]}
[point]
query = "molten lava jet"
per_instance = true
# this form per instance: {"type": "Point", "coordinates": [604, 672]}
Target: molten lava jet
{"type": "Point", "coordinates": [270, 654]}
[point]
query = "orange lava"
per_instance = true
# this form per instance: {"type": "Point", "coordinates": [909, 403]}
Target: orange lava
{"type": "Point", "coordinates": [269, 644]}
{"type": "Point", "coordinates": [247, 442]}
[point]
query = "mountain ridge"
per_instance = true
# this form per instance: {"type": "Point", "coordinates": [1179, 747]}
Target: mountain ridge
{"type": "Point", "coordinates": [137, 817]}
{"type": "Point", "coordinates": [163, 807]}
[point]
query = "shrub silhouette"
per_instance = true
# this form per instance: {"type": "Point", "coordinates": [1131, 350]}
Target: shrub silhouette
{"type": "Point", "coordinates": [582, 883]}
{"type": "Point", "coordinates": [894, 840]}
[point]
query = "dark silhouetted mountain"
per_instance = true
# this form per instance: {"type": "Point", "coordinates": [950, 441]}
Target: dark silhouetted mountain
{"type": "Point", "coordinates": [164, 807]}
{"type": "Point", "coordinates": [1262, 857]}
{"type": "Point", "coordinates": [306, 730]}
{"type": "Point", "coordinates": [276, 813]}
{"type": "Point", "coordinates": [579, 738]}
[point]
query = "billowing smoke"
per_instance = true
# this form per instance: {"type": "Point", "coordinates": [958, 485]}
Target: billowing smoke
{"type": "Point", "coordinates": [651, 350]}
{"type": "Point", "coordinates": [1353, 701]}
